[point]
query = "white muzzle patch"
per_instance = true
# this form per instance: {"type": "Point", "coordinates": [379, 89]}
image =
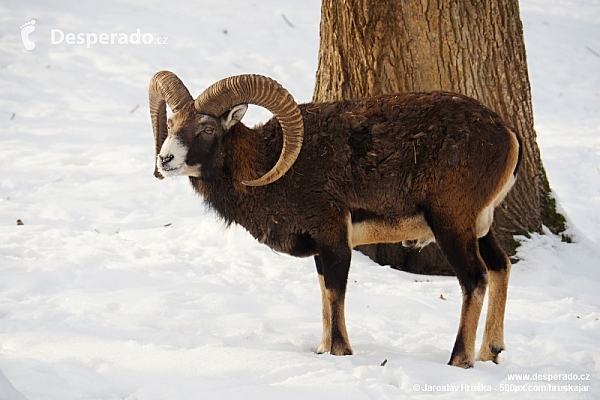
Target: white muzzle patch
{"type": "Point", "coordinates": [171, 159]}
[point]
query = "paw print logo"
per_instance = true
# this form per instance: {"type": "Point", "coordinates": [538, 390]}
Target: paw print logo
{"type": "Point", "coordinates": [26, 29]}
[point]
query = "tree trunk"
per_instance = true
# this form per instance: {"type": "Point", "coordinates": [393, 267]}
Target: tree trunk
{"type": "Point", "coordinates": [476, 48]}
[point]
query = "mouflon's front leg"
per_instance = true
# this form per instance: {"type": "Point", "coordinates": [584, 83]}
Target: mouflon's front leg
{"type": "Point", "coordinates": [333, 264]}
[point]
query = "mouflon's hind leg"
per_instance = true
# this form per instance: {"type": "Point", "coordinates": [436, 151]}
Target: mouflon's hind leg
{"type": "Point", "coordinates": [460, 248]}
{"type": "Point", "coordinates": [333, 264]}
{"type": "Point", "coordinates": [498, 266]}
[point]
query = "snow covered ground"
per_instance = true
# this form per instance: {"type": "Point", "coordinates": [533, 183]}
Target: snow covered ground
{"type": "Point", "coordinates": [120, 286]}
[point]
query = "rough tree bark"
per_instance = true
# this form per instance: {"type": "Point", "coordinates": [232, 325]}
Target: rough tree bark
{"type": "Point", "coordinates": [370, 47]}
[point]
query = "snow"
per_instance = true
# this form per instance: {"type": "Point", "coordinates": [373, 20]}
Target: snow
{"type": "Point", "coordinates": [120, 286]}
